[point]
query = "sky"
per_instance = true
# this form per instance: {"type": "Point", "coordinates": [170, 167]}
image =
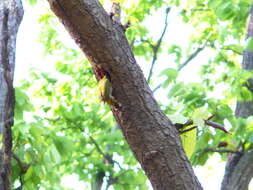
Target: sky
{"type": "Point", "coordinates": [29, 54]}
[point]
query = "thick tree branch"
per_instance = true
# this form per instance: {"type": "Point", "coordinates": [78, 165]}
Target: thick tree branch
{"type": "Point", "coordinates": [151, 136]}
{"type": "Point", "coordinates": [157, 46]}
{"type": "Point", "coordinates": [11, 13]}
{"type": "Point", "coordinates": [238, 172]}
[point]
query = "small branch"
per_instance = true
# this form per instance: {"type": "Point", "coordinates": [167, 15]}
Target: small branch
{"type": "Point", "coordinates": [233, 50]}
{"type": "Point", "coordinates": [23, 169]}
{"type": "Point", "coordinates": [107, 157]}
{"type": "Point", "coordinates": [156, 88]}
{"type": "Point", "coordinates": [187, 130]}
{"type": "Point", "coordinates": [216, 126]}
{"type": "Point", "coordinates": [180, 125]}
{"type": "Point", "coordinates": [21, 165]}
{"type": "Point", "coordinates": [99, 149]}
{"type": "Point", "coordinates": [157, 46]}
{"type": "Point", "coordinates": [222, 151]}
{"type": "Point", "coordinates": [110, 182]}
{"type": "Point", "coordinates": [192, 56]}
{"type": "Point", "coordinates": [211, 117]}
{"type": "Point", "coordinates": [207, 122]}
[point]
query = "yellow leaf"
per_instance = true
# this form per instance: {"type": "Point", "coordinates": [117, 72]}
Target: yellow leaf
{"type": "Point", "coordinates": [188, 140]}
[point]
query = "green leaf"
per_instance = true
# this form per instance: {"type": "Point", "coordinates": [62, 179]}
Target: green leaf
{"type": "Point", "coordinates": [170, 74]}
{"type": "Point", "coordinates": [32, 2]}
{"type": "Point", "coordinates": [37, 132]}
{"type": "Point", "coordinates": [234, 47]}
{"type": "Point", "coordinates": [63, 145]}
{"type": "Point", "coordinates": [176, 90]}
{"type": "Point", "coordinates": [55, 156]}
{"type": "Point", "coordinates": [29, 173]}
{"type": "Point", "coordinates": [245, 94]}
{"type": "Point", "coordinates": [225, 10]}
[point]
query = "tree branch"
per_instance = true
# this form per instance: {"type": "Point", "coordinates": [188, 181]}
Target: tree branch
{"type": "Point", "coordinates": [149, 133]}
{"type": "Point", "coordinates": [23, 169]}
{"type": "Point", "coordinates": [233, 50]}
{"type": "Point", "coordinates": [106, 156]}
{"type": "Point", "coordinates": [158, 44]}
{"type": "Point", "coordinates": [207, 122]}
{"type": "Point", "coordinates": [222, 151]}
{"type": "Point", "coordinates": [239, 168]}
{"type": "Point", "coordinates": [192, 56]}
{"type": "Point", "coordinates": [216, 126]}
{"type": "Point", "coordinates": [11, 13]}
{"type": "Point", "coordinates": [187, 130]}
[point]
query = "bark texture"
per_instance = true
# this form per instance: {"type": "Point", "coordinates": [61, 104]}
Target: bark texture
{"type": "Point", "coordinates": [239, 167]}
{"type": "Point", "coordinates": [11, 13]}
{"type": "Point", "coordinates": [151, 136]}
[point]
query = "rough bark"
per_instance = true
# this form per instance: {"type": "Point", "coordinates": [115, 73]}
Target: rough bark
{"type": "Point", "coordinates": [239, 168]}
{"type": "Point", "coordinates": [150, 134]}
{"type": "Point", "coordinates": [11, 13]}
{"type": "Point", "coordinates": [238, 172]}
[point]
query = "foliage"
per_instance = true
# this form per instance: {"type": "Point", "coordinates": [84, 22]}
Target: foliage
{"type": "Point", "coordinates": [219, 26]}
{"type": "Point", "coordinates": [61, 128]}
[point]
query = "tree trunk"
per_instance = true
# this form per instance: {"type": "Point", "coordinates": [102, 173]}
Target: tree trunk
{"type": "Point", "coordinates": [98, 180]}
{"type": "Point", "coordinates": [239, 168]}
{"type": "Point", "coordinates": [11, 13]}
{"type": "Point", "coordinates": [151, 136]}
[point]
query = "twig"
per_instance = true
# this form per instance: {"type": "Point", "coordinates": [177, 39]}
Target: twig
{"type": "Point", "coordinates": [222, 151]}
{"type": "Point", "coordinates": [180, 125]}
{"type": "Point", "coordinates": [106, 156]}
{"type": "Point", "coordinates": [23, 169]}
{"type": "Point", "coordinates": [187, 130]}
{"type": "Point", "coordinates": [233, 50]}
{"type": "Point", "coordinates": [110, 181]}
{"type": "Point", "coordinates": [193, 55]}
{"type": "Point", "coordinates": [207, 122]}
{"type": "Point", "coordinates": [156, 88]}
{"type": "Point", "coordinates": [211, 117]}
{"type": "Point", "coordinates": [216, 125]}
{"type": "Point", "coordinates": [157, 46]}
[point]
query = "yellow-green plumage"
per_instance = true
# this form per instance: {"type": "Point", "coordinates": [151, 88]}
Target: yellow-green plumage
{"type": "Point", "coordinates": [105, 90]}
